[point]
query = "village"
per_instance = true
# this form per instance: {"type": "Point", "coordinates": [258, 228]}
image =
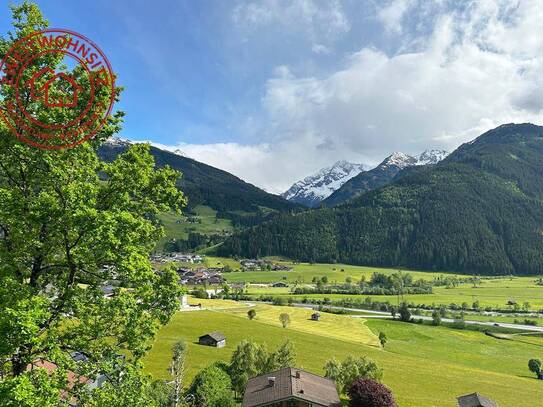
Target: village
{"type": "Point", "coordinates": [193, 271]}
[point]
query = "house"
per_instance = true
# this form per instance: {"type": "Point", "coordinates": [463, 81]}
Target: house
{"type": "Point", "coordinates": [215, 339]}
{"type": "Point", "coordinates": [72, 379]}
{"type": "Point", "coordinates": [315, 316]}
{"type": "Point", "coordinates": [279, 284]}
{"type": "Point", "coordinates": [288, 387]}
{"type": "Point", "coordinates": [215, 279]}
{"type": "Point", "coordinates": [475, 400]}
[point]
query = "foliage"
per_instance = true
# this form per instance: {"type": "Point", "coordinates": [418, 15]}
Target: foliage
{"type": "Point", "coordinates": [199, 292]}
{"type": "Point", "coordinates": [535, 367]}
{"type": "Point", "coordinates": [125, 387]}
{"type": "Point", "coordinates": [284, 356]}
{"type": "Point", "coordinates": [69, 225]}
{"type": "Point", "coordinates": [248, 360]}
{"type": "Point", "coordinates": [251, 314]}
{"type": "Point", "coordinates": [370, 393]}
{"type": "Point", "coordinates": [382, 339]}
{"type": "Point", "coordinates": [284, 318]}
{"type": "Point", "coordinates": [251, 359]}
{"type": "Point", "coordinates": [211, 387]}
{"type": "Point", "coordinates": [405, 313]}
{"type": "Point", "coordinates": [345, 373]}
{"type": "Point", "coordinates": [436, 317]}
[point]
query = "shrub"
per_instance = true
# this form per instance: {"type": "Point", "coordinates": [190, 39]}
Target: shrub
{"type": "Point", "coordinates": [382, 339]}
{"type": "Point", "coordinates": [370, 393]}
{"type": "Point", "coordinates": [284, 318]}
{"type": "Point", "coordinates": [535, 367]}
{"type": "Point", "coordinates": [405, 314]}
{"type": "Point", "coordinates": [211, 385]}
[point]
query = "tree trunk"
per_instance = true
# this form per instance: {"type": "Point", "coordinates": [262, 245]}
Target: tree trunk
{"type": "Point", "coordinates": [18, 366]}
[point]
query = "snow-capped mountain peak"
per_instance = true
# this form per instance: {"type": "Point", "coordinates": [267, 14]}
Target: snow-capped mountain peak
{"type": "Point", "coordinates": [431, 157]}
{"type": "Point", "coordinates": [400, 160]}
{"type": "Point", "coordinates": [313, 189]}
{"type": "Point", "coordinates": [118, 142]}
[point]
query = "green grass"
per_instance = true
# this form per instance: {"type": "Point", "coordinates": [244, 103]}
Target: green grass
{"type": "Point", "coordinates": [423, 365]}
{"type": "Point", "coordinates": [494, 293]}
{"type": "Point", "coordinates": [305, 272]}
{"type": "Point", "coordinates": [491, 292]}
{"type": "Point", "coordinates": [329, 325]}
{"type": "Point", "coordinates": [176, 226]}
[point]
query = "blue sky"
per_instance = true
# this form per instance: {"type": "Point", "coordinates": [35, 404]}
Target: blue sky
{"type": "Point", "coordinates": [273, 90]}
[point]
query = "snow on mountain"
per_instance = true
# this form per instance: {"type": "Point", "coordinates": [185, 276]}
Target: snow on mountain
{"type": "Point", "coordinates": [399, 160]}
{"type": "Point", "coordinates": [431, 157]}
{"type": "Point", "coordinates": [121, 142]}
{"type": "Point", "coordinates": [402, 160]}
{"type": "Point", "coordinates": [118, 141]}
{"type": "Point", "coordinates": [313, 189]}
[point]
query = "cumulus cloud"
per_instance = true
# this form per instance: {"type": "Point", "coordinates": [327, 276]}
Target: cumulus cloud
{"type": "Point", "coordinates": [476, 67]}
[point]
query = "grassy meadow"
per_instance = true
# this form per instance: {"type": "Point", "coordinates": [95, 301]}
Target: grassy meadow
{"type": "Point", "coordinates": [304, 273]}
{"type": "Point", "coordinates": [423, 365]}
{"type": "Point", "coordinates": [494, 292]}
{"type": "Point", "coordinates": [176, 226]}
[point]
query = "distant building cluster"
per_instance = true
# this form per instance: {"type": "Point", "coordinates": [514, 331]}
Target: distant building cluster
{"type": "Point", "coordinates": [200, 276]}
{"type": "Point", "coordinates": [263, 265]}
{"type": "Point", "coordinates": [179, 257]}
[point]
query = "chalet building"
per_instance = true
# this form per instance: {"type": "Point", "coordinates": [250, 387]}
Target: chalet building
{"type": "Point", "coordinates": [290, 387]}
{"type": "Point", "coordinates": [475, 400]}
{"type": "Point", "coordinates": [316, 316]}
{"type": "Point", "coordinates": [215, 339]}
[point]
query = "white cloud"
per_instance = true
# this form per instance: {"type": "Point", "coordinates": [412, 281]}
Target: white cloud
{"type": "Point", "coordinates": [320, 49]}
{"type": "Point", "coordinates": [480, 66]}
{"type": "Point", "coordinates": [392, 14]}
{"type": "Point", "coordinates": [317, 19]}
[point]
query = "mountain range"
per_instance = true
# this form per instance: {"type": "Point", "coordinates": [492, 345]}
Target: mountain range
{"type": "Point", "coordinates": [344, 180]}
{"type": "Point", "coordinates": [393, 166]}
{"type": "Point", "coordinates": [480, 210]}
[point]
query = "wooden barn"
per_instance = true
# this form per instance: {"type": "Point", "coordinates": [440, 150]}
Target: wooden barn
{"type": "Point", "coordinates": [215, 339]}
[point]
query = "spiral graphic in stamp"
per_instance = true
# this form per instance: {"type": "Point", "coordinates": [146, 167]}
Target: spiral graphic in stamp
{"type": "Point", "coordinates": [57, 89]}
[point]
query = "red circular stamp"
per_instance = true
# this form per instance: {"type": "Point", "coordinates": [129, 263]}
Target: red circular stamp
{"type": "Point", "coordinates": [57, 89]}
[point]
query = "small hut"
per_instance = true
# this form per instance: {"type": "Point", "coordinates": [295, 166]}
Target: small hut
{"type": "Point", "coordinates": [215, 339]}
{"type": "Point", "coordinates": [475, 400]}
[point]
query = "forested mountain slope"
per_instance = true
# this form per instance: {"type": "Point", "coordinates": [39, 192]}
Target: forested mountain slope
{"type": "Point", "coordinates": [478, 211]}
{"type": "Point", "coordinates": [206, 185]}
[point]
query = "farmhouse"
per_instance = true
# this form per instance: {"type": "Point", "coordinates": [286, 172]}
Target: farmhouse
{"type": "Point", "coordinates": [475, 400]}
{"type": "Point", "coordinates": [215, 339]}
{"type": "Point", "coordinates": [290, 386]}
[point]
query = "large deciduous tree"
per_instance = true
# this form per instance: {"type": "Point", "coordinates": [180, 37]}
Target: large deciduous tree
{"type": "Point", "coordinates": [351, 369]}
{"type": "Point", "coordinates": [70, 224]}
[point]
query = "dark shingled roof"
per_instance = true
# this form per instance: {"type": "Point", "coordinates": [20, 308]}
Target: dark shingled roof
{"type": "Point", "coordinates": [215, 335]}
{"type": "Point", "coordinates": [475, 400]}
{"type": "Point", "coordinates": [307, 387]}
